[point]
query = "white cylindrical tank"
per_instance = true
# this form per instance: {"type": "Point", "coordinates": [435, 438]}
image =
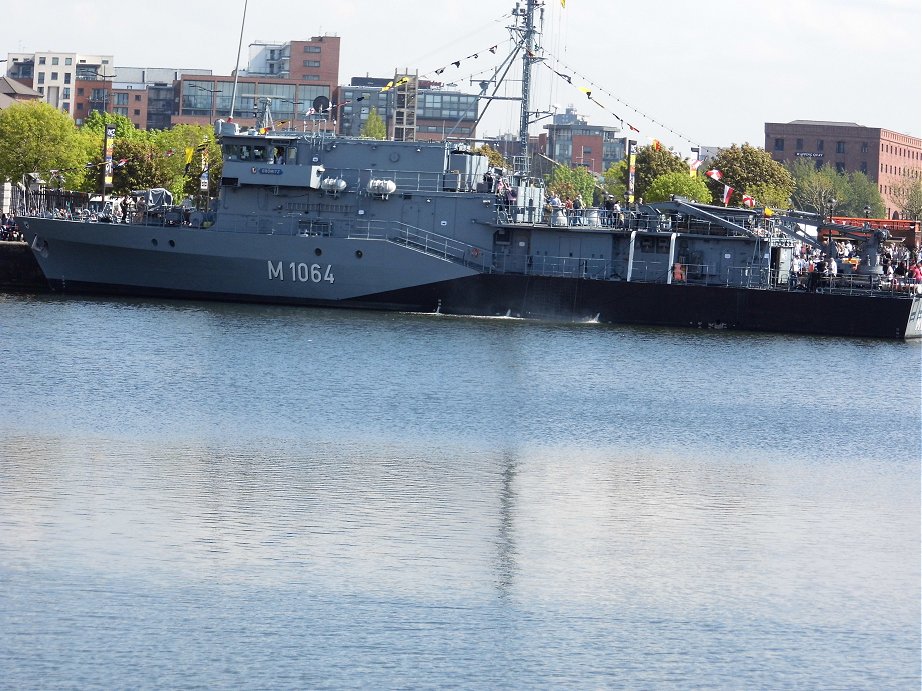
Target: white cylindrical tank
{"type": "Point", "coordinates": [334, 185]}
{"type": "Point", "coordinates": [381, 187]}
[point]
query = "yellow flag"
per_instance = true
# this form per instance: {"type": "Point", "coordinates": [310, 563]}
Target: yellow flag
{"type": "Point", "coordinates": [563, 4]}
{"type": "Point", "coordinates": [189, 152]}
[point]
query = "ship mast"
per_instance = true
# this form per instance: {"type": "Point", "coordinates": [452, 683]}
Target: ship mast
{"type": "Point", "coordinates": [528, 44]}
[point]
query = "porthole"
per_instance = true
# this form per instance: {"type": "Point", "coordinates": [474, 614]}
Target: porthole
{"type": "Point", "coordinates": [172, 243]}
{"type": "Point", "coordinates": [154, 242]}
{"type": "Point", "coordinates": [358, 254]}
{"type": "Point", "coordinates": [318, 251]}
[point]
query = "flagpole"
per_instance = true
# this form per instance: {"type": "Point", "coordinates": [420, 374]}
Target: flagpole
{"type": "Point", "coordinates": [237, 64]}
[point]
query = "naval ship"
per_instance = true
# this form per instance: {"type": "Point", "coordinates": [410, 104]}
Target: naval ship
{"type": "Point", "coordinates": [316, 219]}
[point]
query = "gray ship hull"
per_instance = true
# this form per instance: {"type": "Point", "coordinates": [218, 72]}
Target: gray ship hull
{"type": "Point", "coordinates": [205, 264]}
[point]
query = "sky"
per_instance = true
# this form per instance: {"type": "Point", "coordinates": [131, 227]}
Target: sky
{"type": "Point", "coordinates": [685, 73]}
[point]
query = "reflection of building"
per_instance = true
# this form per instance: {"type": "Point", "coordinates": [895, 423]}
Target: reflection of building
{"type": "Point", "coordinates": [440, 113]}
{"type": "Point", "coordinates": [202, 100]}
{"type": "Point", "coordinates": [572, 141]}
{"type": "Point", "coordinates": [146, 95]}
{"type": "Point", "coordinates": [883, 155]}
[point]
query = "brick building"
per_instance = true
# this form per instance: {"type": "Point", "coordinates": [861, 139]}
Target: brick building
{"type": "Point", "coordinates": [883, 155]}
{"type": "Point", "coordinates": [572, 141]}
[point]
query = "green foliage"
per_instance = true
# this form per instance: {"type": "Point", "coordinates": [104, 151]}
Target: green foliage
{"type": "Point", "coordinates": [652, 163]}
{"type": "Point", "coordinates": [824, 191]}
{"type": "Point", "coordinates": [124, 128]}
{"type": "Point", "coordinates": [862, 191]}
{"type": "Point", "coordinates": [750, 170]}
{"type": "Point", "coordinates": [144, 167]}
{"type": "Point", "coordinates": [683, 184]}
{"type": "Point", "coordinates": [495, 158]}
{"type": "Point", "coordinates": [568, 182]}
{"type": "Point", "coordinates": [614, 180]}
{"type": "Point", "coordinates": [37, 138]}
{"type": "Point", "coordinates": [374, 127]}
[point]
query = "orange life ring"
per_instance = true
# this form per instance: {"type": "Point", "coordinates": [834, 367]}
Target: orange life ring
{"type": "Point", "coordinates": [475, 252]}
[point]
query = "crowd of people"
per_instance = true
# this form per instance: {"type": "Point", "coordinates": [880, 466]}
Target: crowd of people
{"type": "Point", "coordinates": [574, 212]}
{"type": "Point", "coordinates": [812, 268]}
{"type": "Point", "coordinates": [9, 231]}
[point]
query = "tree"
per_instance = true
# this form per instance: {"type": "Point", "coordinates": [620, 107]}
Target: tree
{"type": "Point", "coordinates": [750, 170]}
{"type": "Point", "coordinates": [139, 165]}
{"type": "Point", "coordinates": [651, 163]}
{"type": "Point", "coordinates": [614, 180]}
{"type": "Point", "coordinates": [828, 192]}
{"type": "Point", "coordinates": [862, 192]}
{"type": "Point", "coordinates": [568, 182]}
{"type": "Point", "coordinates": [374, 127]}
{"type": "Point", "coordinates": [124, 128]}
{"type": "Point", "coordinates": [36, 137]}
{"type": "Point", "coordinates": [493, 156]}
{"type": "Point", "coordinates": [906, 193]}
{"type": "Point", "coordinates": [683, 184]}
{"type": "Point", "coordinates": [174, 145]}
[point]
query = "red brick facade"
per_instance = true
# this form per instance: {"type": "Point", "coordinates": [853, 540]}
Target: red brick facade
{"type": "Point", "coordinates": [883, 155]}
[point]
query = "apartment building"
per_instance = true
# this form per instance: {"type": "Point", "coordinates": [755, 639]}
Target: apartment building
{"type": "Point", "coordinates": [55, 75]}
{"type": "Point", "coordinates": [572, 141]}
{"type": "Point", "coordinates": [883, 155]}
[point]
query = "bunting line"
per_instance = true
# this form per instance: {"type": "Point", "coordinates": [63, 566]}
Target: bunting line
{"type": "Point", "coordinates": [622, 102]}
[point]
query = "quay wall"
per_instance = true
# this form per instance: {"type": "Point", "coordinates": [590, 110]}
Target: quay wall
{"type": "Point", "coordinates": [19, 271]}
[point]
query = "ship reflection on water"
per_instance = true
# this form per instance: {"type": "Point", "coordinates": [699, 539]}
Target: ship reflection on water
{"type": "Point", "coordinates": [211, 494]}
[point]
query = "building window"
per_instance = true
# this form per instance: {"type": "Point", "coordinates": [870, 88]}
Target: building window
{"type": "Point", "coordinates": [41, 77]}
{"type": "Point", "coordinates": [67, 77]}
{"type": "Point", "coordinates": [137, 97]}
{"type": "Point", "coordinates": [137, 111]}
{"type": "Point", "coordinates": [840, 167]}
{"type": "Point", "coordinates": [41, 60]}
{"type": "Point", "coordinates": [840, 147]}
{"type": "Point", "coordinates": [819, 144]}
{"type": "Point", "coordinates": [80, 91]}
{"type": "Point", "coordinates": [79, 105]}
{"type": "Point", "coordinates": [65, 107]}
{"type": "Point", "coordinates": [779, 144]}
{"type": "Point", "coordinates": [863, 167]}
{"type": "Point", "coordinates": [311, 77]}
{"type": "Point", "coordinates": [311, 49]}
{"type": "Point", "coordinates": [68, 61]}
{"type": "Point", "coordinates": [312, 63]}
{"type": "Point", "coordinates": [800, 145]}
{"type": "Point", "coordinates": [864, 147]}
{"type": "Point", "coordinates": [54, 76]}
{"type": "Point", "coordinates": [65, 92]}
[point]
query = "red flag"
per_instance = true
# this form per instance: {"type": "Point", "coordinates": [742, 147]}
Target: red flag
{"type": "Point", "coordinates": [714, 174]}
{"type": "Point", "coordinates": [748, 201]}
{"type": "Point", "coordinates": [727, 192]}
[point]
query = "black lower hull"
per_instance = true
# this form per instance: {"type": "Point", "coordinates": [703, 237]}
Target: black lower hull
{"type": "Point", "coordinates": [618, 302]}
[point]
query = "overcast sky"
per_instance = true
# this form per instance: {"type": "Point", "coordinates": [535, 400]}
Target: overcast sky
{"type": "Point", "coordinates": [687, 73]}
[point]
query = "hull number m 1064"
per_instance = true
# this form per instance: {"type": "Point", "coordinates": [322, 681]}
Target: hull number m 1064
{"type": "Point", "coordinates": [300, 272]}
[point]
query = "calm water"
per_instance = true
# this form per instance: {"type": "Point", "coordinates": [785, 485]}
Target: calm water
{"type": "Point", "coordinates": [199, 495]}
